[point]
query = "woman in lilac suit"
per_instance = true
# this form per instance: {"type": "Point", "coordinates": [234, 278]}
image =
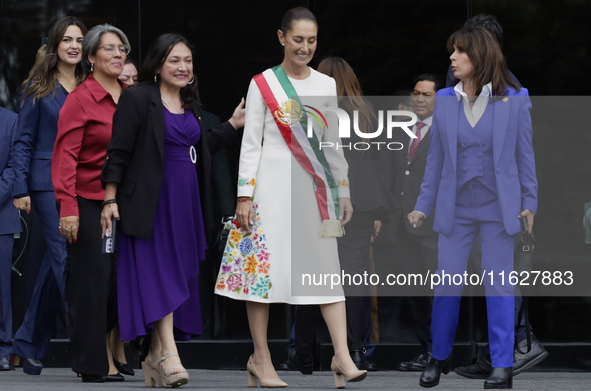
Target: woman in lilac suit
{"type": "Point", "coordinates": [480, 176]}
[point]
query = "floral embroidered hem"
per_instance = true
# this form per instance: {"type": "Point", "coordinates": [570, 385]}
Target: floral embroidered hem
{"type": "Point", "coordinates": [245, 264]}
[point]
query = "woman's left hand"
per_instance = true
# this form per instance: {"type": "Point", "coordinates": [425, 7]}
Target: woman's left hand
{"type": "Point", "coordinates": [345, 210]}
{"type": "Point", "coordinates": [69, 228]}
{"type": "Point", "coordinates": [530, 218]}
{"type": "Point", "coordinates": [109, 211]}
{"type": "Point", "coordinates": [377, 227]}
{"type": "Point", "coordinates": [237, 120]}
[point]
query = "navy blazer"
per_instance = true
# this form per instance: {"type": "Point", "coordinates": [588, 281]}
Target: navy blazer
{"type": "Point", "coordinates": [33, 147]}
{"type": "Point", "coordinates": [514, 163]}
{"type": "Point", "coordinates": [9, 215]}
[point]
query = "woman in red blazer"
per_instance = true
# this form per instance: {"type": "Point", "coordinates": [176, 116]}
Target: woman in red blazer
{"type": "Point", "coordinates": [84, 130]}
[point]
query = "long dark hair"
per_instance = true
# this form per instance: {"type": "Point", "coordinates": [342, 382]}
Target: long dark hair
{"type": "Point", "coordinates": [486, 56]}
{"type": "Point", "coordinates": [43, 76]}
{"type": "Point", "coordinates": [348, 86]}
{"type": "Point", "coordinates": [156, 56]}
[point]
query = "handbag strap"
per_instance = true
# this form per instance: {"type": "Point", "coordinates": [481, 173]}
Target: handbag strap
{"type": "Point", "coordinates": [524, 311]}
{"type": "Point", "coordinates": [528, 244]}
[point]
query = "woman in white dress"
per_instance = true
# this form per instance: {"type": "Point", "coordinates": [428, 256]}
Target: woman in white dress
{"type": "Point", "coordinates": [279, 212]}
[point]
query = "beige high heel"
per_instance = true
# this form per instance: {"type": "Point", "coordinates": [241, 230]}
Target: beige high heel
{"type": "Point", "coordinates": [151, 375]}
{"type": "Point", "coordinates": [351, 376]}
{"type": "Point", "coordinates": [255, 380]}
{"type": "Point", "coordinates": [172, 380]}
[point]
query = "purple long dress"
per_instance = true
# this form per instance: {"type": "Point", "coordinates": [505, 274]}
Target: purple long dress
{"type": "Point", "coordinates": [159, 275]}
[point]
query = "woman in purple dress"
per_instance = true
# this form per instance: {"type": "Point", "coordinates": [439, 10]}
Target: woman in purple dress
{"type": "Point", "coordinates": [157, 180]}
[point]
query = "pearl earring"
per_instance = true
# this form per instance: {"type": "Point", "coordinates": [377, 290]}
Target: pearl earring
{"type": "Point", "coordinates": [91, 67]}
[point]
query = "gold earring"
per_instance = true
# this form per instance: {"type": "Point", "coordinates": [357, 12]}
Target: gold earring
{"type": "Point", "coordinates": [91, 67]}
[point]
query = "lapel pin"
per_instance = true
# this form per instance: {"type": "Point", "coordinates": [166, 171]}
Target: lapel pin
{"type": "Point", "coordinates": [505, 99]}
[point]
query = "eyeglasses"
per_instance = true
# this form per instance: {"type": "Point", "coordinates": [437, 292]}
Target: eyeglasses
{"type": "Point", "coordinates": [110, 49]}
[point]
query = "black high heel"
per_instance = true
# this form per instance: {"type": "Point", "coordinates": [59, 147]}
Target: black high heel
{"type": "Point", "coordinates": [115, 378]}
{"type": "Point", "coordinates": [125, 369]}
{"type": "Point", "coordinates": [92, 378]}
{"type": "Point", "coordinates": [431, 374]}
{"type": "Point", "coordinates": [499, 379]}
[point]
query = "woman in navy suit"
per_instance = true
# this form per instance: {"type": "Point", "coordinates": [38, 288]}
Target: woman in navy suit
{"type": "Point", "coordinates": [45, 92]}
{"type": "Point", "coordinates": [481, 177]}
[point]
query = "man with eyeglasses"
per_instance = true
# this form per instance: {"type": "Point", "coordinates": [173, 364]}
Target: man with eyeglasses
{"type": "Point", "coordinates": [416, 248]}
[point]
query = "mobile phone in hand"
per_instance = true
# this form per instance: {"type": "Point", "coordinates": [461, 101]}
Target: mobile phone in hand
{"type": "Point", "coordinates": [109, 238]}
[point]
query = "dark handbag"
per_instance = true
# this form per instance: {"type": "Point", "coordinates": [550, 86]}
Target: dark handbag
{"type": "Point", "coordinates": [221, 238]}
{"type": "Point", "coordinates": [524, 254]}
{"type": "Point", "coordinates": [524, 251]}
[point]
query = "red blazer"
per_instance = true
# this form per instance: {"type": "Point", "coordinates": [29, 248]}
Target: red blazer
{"type": "Point", "coordinates": [83, 132]}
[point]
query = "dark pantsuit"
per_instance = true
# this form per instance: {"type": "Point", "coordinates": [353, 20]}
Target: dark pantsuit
{"type": "Point", "coordinates": [33, 337]}
{"type": "Point", "coordinates": [354, 259]}
{"type": "Point", "coordinates": [91, 293]}
{"type": "Point", "coordinates": [417, 254]}
{"type": "Point", "coordinates": [477, 209]}
{"type": "Point", "coordinates": [305, 327]}
{"type": "Point", "coordinates": [388, 305]}
{"type": "Point", "coordinates": [6, 245]}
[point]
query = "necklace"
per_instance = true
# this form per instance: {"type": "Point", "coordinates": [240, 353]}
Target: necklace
{"type": "Point", "coordinates": [169, 107]}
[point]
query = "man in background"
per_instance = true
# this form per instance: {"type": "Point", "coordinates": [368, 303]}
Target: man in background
{"type": "Point", "coordinates": [9, 216]}
{"type": "Point", "coordinates": [416, 248]}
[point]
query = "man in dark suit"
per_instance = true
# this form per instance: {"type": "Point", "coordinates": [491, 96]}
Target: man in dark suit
{"type": "Point", "coordinates": [9, 216]}
{"type": "Point", "coordinates": [416, 248]}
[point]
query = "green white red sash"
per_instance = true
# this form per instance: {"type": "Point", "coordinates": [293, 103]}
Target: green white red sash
{"type": "Point", "coordinates": [279, 95]}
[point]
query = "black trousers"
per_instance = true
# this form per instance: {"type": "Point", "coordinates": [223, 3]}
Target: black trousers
{"type": "Point", "coordinates": [354, 259]}
{"type": "Point", "coordinates": [91, 293]}
{"type": "Point", "coordinates": [417, 254]}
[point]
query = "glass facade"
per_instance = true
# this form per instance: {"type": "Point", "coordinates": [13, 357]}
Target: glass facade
{"type": "Point", "coordinates": [547, 45]}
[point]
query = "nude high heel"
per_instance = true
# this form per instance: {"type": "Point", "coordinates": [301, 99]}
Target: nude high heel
{"type": "Point", "coordinates": [151, 375]}
{"type": "Point", "coordinates": [255, 380]}
{"type": "Point", "coordinates": [339, 374]}
{"type": "Point", "coordinates": [172, 380]}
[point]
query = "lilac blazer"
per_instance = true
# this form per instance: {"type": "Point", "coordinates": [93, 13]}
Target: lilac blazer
{"type": "Point", "coordinates": [514, 163]}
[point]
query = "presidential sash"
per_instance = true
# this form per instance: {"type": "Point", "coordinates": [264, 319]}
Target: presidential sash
{"type": "Point", "coordinates": [291, 118]}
